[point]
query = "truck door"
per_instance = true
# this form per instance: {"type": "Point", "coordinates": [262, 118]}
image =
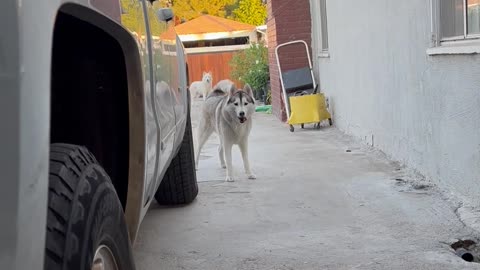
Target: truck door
{"type": "Point", "coordinates": [179, 85]}
{"type": "Point", "coordinates": [136, 21]}
{"type": "Point", "coordinates": [162, 96]}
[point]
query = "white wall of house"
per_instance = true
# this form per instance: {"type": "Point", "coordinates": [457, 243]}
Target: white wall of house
{"type": "Point", "coordinates": [387, 88]}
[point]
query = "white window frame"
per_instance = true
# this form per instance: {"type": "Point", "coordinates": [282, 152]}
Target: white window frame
{"type": "Point", "coordinates": [319, 35]}
{"type": "Point", "coordinates": [465, 44]}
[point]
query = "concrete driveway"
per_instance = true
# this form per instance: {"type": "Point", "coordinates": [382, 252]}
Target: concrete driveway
{"type": "Point", "coordinates": [315, 205]}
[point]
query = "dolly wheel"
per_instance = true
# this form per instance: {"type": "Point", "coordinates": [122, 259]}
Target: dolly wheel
{"type": "Point", "coordinates": [292, 129]}
{"type": "Point", "coordinates": [303, 126]}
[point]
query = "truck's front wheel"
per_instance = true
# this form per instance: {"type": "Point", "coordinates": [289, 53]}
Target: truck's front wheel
{"type": "Point", "coordinates": [85, 222]}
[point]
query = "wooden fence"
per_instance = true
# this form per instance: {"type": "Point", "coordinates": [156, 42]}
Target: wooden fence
{"type": "Point", "coordinates": [217, 63]}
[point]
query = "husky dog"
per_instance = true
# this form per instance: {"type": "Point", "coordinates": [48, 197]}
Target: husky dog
{"type": "Point", "coordinates": [203, 87]}
{"type": "Point", "coordinates": [230, 116]}
{"type": "Point", "coordinates": [224, 85]}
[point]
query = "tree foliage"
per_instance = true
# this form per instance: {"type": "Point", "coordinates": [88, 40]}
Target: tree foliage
{"type": "Point", "coordinates": [133, 20]}
{"type": "Point", "coordinates": [251, 12]}
{"type": "Point", "coordinates": [247, 11]}
{"type": "Point", "coordinates": [191, 9]}
{"type": "Point", "coordinates": [230, 9]}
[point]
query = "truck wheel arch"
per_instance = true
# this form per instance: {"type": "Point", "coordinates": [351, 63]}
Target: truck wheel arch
{"type": "Point", "coordinates": [132, 108]}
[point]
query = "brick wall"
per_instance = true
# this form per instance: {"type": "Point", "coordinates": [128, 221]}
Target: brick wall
{"type": "Point", "coordinates": [288, 20]}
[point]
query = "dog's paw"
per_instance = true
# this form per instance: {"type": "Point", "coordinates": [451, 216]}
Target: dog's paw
{"type": "Point", "coordinates": [229, 179]}
{"type": "Point", "coordinates": [252, 176]}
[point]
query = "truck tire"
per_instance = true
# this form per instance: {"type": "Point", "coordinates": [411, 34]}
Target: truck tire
{"type": "Point", "coordinates": [179, 185]}
{"type": "Point", "coordinates": [85, 220]}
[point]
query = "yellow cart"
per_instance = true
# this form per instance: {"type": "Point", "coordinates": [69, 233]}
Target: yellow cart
{"type": "Point", "coordinates": [303, 102]}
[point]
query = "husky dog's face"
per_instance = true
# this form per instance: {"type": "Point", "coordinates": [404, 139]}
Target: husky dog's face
{"type": "Point", "coordinates": [241, 104]}
{"type": "Point", "coordinates": [207, 77]}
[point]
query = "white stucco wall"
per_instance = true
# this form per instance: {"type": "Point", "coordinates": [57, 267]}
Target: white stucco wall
{"type": "Point", "coordinates": [421, 110]}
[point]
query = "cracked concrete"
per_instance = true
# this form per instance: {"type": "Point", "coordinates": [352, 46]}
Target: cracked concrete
{"type": "Point", "coordinates": [313, 206]}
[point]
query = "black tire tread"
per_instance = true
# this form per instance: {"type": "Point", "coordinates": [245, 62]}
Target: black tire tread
{"type": "Point", "coordinates": [66, 164]}
{"type": "Point", "coordinates": [79, 189]}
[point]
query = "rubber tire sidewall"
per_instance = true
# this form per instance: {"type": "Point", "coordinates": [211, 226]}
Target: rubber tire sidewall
{"type": "Point", "coordinates": [84, 213]}
{"type": "Point", "coordinates": [105, 223]}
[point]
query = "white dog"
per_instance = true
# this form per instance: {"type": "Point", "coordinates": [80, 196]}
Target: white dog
{"type": "Point", "coordinates": [230, 116]}
{"type": "Point", "coordinates": [203, 87]}
{"type": "Point", "coordinates": [224, 85]}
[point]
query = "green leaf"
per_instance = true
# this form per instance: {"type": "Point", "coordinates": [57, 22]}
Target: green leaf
{"type": "Point", "coordinates": [251, 12]}
{"type": "Point", "coordinates": [251, 66]}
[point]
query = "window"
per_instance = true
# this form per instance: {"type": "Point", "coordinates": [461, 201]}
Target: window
{"type": "Point", "coordinates": [323, 26]}
{"type": "Point", "coordinates": [217, 42]}
{"type": "Point", "coordinates": [320, 26]}
{"type": "Point", "coordinates": [459, 19]}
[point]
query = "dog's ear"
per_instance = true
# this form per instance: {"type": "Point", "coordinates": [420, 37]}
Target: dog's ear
{"type": "Point", "coordinates": [232, 90]}
{"type": "Point", "coordinates": [248, 89]}
{"type": "Point", "coordinates": [204, 73]}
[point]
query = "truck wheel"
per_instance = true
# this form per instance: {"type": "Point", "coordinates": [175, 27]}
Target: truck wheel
{"type": "Point", "coordinates": [179, 185]}
{"type": "Point", "coordinates": [85, 222]}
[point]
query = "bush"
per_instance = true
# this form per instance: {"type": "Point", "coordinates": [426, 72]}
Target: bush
{"type": "Point", "coordinates": [268, 99]}
{"type": "Point", "coordinates": [251, 66]}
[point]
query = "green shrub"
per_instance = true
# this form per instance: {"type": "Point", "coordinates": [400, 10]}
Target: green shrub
{"type": "Point", "coordinates": [268, 99]}
{"type": "Point", "coordinates": [251, 66]}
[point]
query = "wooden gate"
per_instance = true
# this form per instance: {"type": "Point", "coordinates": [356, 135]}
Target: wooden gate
{"type": "Point", "coordinates": [218, 63]}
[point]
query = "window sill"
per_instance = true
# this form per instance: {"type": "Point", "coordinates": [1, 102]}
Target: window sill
{"type": "Point", "coordinates": [458, 47]}
{"type": "Point", "coordinates": [323, 55]}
